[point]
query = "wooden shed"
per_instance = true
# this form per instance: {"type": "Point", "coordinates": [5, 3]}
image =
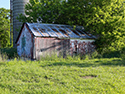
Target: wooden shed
{"type": "Point", "coordinates": [37, 40]}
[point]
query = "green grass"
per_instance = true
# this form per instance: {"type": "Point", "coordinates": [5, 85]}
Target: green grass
{"type": "Point", "coordinates": [63, 76]}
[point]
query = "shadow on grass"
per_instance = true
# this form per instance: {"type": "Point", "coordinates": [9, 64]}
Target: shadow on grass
{"type": "Point", "coordinates": [89, 63]}
{"type": "Point", "coordinates": [68, 64]}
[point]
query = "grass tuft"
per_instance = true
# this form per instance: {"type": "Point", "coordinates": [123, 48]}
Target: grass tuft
{"type": "Point", "coordinates": [3, 57]}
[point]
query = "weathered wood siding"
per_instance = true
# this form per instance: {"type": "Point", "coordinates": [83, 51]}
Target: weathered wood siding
{"type": "Point", "coordinates": [82, 47]}
{"type": "Point", "coordinates": [50, 46]}
{"type": "Point", "coordinates": [25, 43]}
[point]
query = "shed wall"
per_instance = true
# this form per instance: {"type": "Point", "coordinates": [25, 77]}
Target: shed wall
{"type": "Point", "coordinates": [50, 46]}
{"type": "Point", "coordinates": [82, 47]}
{"type": "Point", "coordinates": [25, 43]}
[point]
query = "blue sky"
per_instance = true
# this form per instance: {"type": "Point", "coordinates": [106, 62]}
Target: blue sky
{"type": "Point", "coordinates": [5, 4]}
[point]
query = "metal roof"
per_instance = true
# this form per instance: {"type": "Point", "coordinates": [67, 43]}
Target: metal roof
{"type": "Point", "coordinates": [59, 31]}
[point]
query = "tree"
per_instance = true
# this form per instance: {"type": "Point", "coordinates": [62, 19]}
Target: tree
{"type": "Point", "coordinates": [43, 10]}
{"type": "Point", "coordinates": [4, 27]}
{"type": "Point", "coordinates": [104, 18]}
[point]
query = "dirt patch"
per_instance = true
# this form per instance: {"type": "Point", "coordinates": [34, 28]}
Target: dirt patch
{"type": "Point", "coordinates": [89, 76]}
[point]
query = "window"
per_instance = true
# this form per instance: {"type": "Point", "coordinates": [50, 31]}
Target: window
{"type": "Point", "coordinates": [23, 43]}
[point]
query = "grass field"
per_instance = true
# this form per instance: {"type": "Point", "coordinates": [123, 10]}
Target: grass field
{"type": "Point", "coordinates": [63, 76]}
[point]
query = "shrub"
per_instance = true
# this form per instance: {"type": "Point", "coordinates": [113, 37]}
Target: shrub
{"type": "Point", "coordinates": [3, 57]}
{"type": "Point", "coordinates": [123, 53]}
{"type": "Point", "coordinates": [10, 52]}
{"type": "Point", "coordinates": [114, 50]}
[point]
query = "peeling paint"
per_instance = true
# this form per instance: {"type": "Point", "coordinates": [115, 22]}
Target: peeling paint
{"type": "Point", "coordinates": [81, 46]}
{"type": "Point", "coordinates": [25, 44]}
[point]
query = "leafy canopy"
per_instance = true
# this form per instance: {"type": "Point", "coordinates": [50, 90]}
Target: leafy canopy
{"type": "Point", "coordinates": [4, 27]}
{"type": "Point", "coordinates": [45, 10]}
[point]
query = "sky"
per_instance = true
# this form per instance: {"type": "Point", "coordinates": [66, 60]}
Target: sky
{"type": "Point", "coordinates": [5, 4]}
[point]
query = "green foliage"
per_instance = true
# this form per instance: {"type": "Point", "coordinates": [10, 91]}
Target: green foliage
{"type": "Point", "coordinates": [115, 49]}
{"type": "Point", "coordinates": [45, 10]}
{"type": "Point", "coordinates": [123, 53]}
{"type": "Point", "coordinates": [9, 52]}
{"type": "Point", "coordinates": [63, 76]}
{"type": "Point", "coordinates": [3, 57]}
{"type": "Point", "coordinates": [4, 28]}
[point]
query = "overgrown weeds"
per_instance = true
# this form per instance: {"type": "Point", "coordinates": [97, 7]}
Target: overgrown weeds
{"type": "Point", "coordinates": [3, 57]}
{"type": "Point", "coordinates": [9, 52]}
{"type": "Point", "coordinates": [93, 55]}
{"type": "Point", "coordinates": [123, 54]}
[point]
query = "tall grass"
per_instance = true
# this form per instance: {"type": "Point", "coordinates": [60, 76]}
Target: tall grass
{"type": "Point", "coordinates": [3, 57]}
{"type": "Point", "coordinates": [89, 56]}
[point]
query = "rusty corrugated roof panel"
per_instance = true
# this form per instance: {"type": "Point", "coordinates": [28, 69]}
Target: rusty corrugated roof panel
{"type": "Point", "coordinates": [60, 31]}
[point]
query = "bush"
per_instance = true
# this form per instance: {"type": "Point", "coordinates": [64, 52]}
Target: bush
{"type": "Point", "coordinates": [10, 52]}
{"type": "Point", "coordinates": [123, 53]}
{"type": "Point", "coordinates": [3, 57]}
